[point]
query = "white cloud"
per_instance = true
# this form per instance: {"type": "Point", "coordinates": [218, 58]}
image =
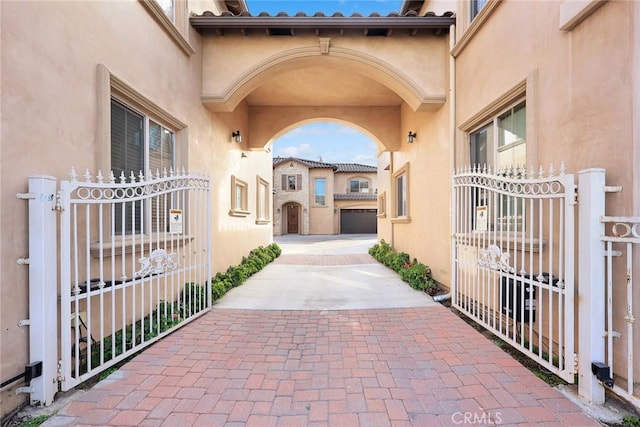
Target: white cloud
{"type": "Point", "coordinates": [294, 150]}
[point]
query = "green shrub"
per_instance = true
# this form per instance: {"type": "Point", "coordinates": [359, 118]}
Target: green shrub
{"type": "Point", "coordinates": [218, 289]}
{"type": "Point", "coordinates": [416, 274]}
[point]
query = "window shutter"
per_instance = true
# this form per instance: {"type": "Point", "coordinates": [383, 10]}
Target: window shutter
{"type": "Point", "coordinates": [299, 182]}
{"type": "Point", "coordinates": [284, 183]}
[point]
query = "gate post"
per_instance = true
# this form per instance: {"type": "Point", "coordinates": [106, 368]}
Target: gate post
{"type": "Point", "coordinates": [591, 282]}
{"type": "Point", "coordinates": [43, 289]}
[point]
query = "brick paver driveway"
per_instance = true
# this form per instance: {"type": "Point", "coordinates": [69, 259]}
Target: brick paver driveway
{"type": "Point", "coordinates": [402, 366]}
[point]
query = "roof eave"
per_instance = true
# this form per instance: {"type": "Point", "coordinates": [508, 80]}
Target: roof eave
{"type": "Point", "coordinates": [202, 22]}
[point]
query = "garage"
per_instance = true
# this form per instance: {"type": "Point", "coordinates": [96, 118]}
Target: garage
{"type": "Point", "coordinates": [358, 221]}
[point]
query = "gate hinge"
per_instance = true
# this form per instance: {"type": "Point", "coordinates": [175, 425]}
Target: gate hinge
{"type": "Point", "coordinates": [22, 261]}
{"type": "Point", "coordinates": [24, 322]}
{"type": "Point", "coordinates": [575, 195]}
{"type": "Point", "coordinates": [60, 378]}
{"type": "Point", "coordinates": [576, 365]}
{"type": "Point", "coordinates": [57, 206]}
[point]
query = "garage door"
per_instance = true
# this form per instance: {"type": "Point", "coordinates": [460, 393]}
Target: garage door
{"type": "Point", "coordinates": [358, 221]}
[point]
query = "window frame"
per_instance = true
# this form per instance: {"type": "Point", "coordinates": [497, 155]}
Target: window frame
{"type": "Point", "coordinates": [401, 217]}
{"type": "Point", "coordinates": [360, 180]}
{"type": "Point", "coordinates": [493, 146]}
{"type": "Point", "coordinates": [263, 213]}
{"type": "Point", "coordinates": [177, 28]}
{"type": "Point", "coordinates": [382, 205]}
{"type": "Point", "coordinates": [243, 209]}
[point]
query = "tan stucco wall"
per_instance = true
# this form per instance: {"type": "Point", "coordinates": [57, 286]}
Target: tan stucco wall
{"type": "Point", "coordinates": [426, 235]}
{"type": "Point", "coordinates": [420, 79]}
{"type": "Point", "coordinates": [50, 57]}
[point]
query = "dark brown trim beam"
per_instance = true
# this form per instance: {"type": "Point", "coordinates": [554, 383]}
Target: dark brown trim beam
{"type": "Point", "coordinates": [203, 23]}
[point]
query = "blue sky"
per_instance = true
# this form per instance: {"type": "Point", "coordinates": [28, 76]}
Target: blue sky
{"type": "Point", "coordinates": [332, 142]}
{"type": "Point", "coordinates": [328, 7]}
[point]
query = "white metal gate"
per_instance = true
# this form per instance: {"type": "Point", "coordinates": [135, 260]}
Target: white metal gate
{"type": "Point", "coordinates": [622, 234]}
{"type": "Point", "coordinates": [134, 265]}
{"type": "Point", "coordinates": [513, 259]}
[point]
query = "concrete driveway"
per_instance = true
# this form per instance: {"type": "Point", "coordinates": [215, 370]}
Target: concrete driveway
{"type": "Point", "coordinates": [324, 273]}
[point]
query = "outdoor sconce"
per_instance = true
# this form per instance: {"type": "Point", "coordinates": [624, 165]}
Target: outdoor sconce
{"type": "Point", "coordinates": [237, 137]}
{"type": "Point", "coordinates": [278, 210]}
{"type": "Point", "coordinates": [411, 137]}
{"type": "Point", "coordinates": [243, 156]}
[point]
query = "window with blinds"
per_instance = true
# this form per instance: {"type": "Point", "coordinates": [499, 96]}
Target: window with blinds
{"type": "Point", "coordinates": [138, 144]}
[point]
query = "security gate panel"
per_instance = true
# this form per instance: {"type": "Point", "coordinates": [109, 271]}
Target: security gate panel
{"type": "Point", "coordinates": [135, 265]}
{"type": "Point", "coordinates": [513, 260]}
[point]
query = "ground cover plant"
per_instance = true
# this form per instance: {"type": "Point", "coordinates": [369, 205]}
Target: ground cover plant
{"type": "Point", "coordinates": [416, 274]}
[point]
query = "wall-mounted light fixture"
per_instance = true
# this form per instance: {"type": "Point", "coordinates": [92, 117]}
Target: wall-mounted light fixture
{"type": "Point", "coordinates": [236, 136]}
{"type": "Point", "coordinates": [411, 137]}
{"type": "Point", "coordinates": [243, 156]}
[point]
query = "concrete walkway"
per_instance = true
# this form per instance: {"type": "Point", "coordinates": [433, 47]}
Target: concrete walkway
{"type": "Point", "coordinates": [323, 337]}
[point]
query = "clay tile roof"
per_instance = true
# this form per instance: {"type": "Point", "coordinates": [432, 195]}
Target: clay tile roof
{"type": "Point", "coordinates": [337, 167]}
{"type": "Point", "coordinates": [312, 164]}
{"type": "Point", "coordinates": [355, 167]}
{"type": "Point", "coordinates": [282, 23]}
{"type": "Point", "coordinates": [355, 196]}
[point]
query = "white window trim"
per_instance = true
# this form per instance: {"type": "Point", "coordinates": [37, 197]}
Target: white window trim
{"type": "Point", "coordinates": [239, 211]}
{"type": "Point", "coordinates": [175, 31]}
{"type": "Point", "coordinates": [267, 203]}
{"type": "Point", "coordinates": [404, 170]}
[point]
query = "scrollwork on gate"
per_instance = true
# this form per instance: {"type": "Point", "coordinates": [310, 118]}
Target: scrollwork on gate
{"type": "Point", "coordinates": [494, 259]}
{"type": "Point", "coordinates": [158, 262]}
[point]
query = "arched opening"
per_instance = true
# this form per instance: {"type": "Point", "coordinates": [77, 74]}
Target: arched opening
{"type": "Point", "coordinates": [332, 141]}
{"type": "Point", "coordinates": [325, 180]}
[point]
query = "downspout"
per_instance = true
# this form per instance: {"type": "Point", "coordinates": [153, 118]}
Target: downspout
{"type": "Point", "coordinates": [452, 155]}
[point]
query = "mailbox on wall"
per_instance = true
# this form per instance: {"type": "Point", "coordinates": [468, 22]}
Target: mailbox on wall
{"type": "Point", "coordinates": [514, 302]}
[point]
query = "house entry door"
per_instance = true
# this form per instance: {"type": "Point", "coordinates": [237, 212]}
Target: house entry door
{"type": "Point", "coordinates": [293, 212]}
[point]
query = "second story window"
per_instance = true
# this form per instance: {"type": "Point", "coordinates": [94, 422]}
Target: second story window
{"type": "Point", "coordinates": [320, 192]}
{"type": "Point", "coordinates": [292, 182]}
{"type": "Point", "coordinates": [168, 6]}
{"type": "Point", "coordinates": [476, 7]}
{"type": "Point", "coordinates": [358, 186]}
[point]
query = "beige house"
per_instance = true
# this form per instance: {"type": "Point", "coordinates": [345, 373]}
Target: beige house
{"type": "Point", "coordinates": [313, 197]}
{"type": "Point", "coordinates": [441, 85]}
